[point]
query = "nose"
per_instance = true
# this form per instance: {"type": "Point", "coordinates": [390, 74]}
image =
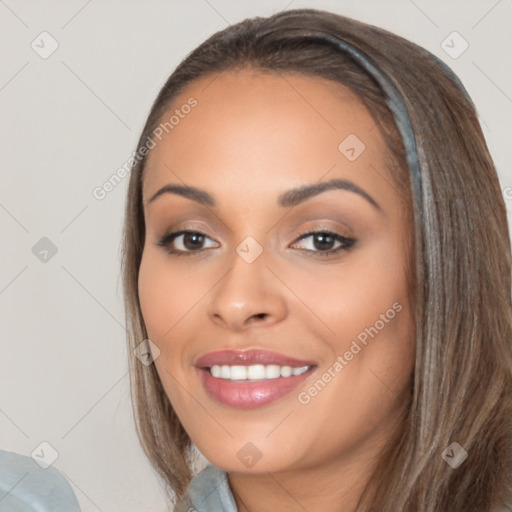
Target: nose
{"type": "Point", "coordinates": [248, 295]}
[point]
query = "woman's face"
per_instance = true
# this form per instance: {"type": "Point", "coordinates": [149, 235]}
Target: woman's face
{"type": "Point", "coordinates": [279, 348]}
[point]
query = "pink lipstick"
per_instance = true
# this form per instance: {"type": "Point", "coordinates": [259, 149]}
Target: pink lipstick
{"type": "Point", "coordinates": [251, 378]}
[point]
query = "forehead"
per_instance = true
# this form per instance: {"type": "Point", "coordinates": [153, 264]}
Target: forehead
{"type": "Point", "coordinates": [248, 127]}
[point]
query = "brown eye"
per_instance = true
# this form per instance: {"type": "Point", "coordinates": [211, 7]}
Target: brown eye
{"type": "Point", "coordinates": [192, 241]}
{"type": "Point", "coordinates": [323, 242]}
{"type": "Point", "coordinates": [183, 242]}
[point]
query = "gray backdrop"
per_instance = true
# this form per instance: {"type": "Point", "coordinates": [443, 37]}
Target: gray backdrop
{"type": "Point", "coordinates": [76, 81]}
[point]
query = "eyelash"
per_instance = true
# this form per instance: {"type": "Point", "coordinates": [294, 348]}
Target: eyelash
{"type": "Point", "coordinates": [347, 243]}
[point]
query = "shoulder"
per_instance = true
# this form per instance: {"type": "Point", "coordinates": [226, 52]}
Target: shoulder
{"type": "Point", "coordinates": [207, 492]}
{"type": "Point", "coordinates": [26, 487]}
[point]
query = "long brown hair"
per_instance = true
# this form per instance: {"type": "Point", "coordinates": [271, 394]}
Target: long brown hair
{"type": "Point", "coordinates": [460, 274]}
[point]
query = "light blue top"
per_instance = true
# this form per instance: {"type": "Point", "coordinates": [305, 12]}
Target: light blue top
{"type": "Point", "coordinates": [26, 487]}
{"type": "Point", "coordinates": [208, 491]}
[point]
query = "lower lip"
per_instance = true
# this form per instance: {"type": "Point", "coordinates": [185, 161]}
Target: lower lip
{"type": "Point", "coordinates": [250, 394]}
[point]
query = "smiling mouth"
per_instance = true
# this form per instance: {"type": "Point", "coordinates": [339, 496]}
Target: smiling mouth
{"type": "Point", "coordinates": [251, 378]}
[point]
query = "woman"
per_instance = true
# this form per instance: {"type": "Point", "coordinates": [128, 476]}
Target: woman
{"type": "Point", "coordinates": [316, 246]}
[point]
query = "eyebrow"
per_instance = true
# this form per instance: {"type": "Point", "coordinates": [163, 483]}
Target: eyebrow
{"type": "Point", "coordinates": [289, 198]}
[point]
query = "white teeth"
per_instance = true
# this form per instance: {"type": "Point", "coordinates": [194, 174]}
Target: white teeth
{"type": "Point", "coordinates": [286, 371]}
{"type": "Point", "coordinates": [238, 373]}
{"type": "Point", "coordinates": [272, 371]}
{"type": "Point", "coordinates": [255, 372]}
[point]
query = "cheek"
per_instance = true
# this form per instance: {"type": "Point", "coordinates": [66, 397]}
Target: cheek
{"type": "Point", "coordinates": [163, 307]}
{"type": "Point", "coordinates": [166, 294]}
{"type": "Point", "coordinates": [155, 300]}
{"type": "Point", "coordinates": [366, 306]}
{"type": "Point", "coordinates": [363, 384]}
{"type": "Point", "coordinates": [377, 325]}
{"type": "Point", "coordinates": [352, 296]}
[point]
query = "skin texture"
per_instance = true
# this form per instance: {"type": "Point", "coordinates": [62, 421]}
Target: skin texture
{"type": "Point", "coordinates": [251, 137]}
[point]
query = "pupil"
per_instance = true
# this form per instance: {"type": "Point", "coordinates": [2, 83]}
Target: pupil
{"type": "Point", "coordinates": [195, 238]}
{"type": "Point", "coordinates": [323, 239]}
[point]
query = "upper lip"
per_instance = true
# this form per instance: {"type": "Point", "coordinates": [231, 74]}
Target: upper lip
{"type": "Point", "coordinates": [249, 357]}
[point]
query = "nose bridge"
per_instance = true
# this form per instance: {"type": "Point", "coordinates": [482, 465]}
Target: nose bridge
{"type": "Point", "coordinates": [248, 291]}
